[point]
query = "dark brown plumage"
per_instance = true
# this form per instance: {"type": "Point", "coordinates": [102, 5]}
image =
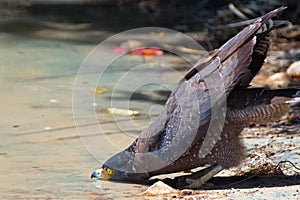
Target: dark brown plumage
{"type": "Point", "coordinates": [204, 116]}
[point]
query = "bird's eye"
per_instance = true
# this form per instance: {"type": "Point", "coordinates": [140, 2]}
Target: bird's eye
{"type": "Point", "coordinates": [108, 171]}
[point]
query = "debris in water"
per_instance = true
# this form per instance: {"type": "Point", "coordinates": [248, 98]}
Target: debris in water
{"type": "Point", "coordinates": [125, 112]}
{"type": "Point", "coordinates": [99, 90]}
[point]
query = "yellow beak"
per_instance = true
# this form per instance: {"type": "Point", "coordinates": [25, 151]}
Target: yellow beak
{"type": "Point", "coordinates": [99, 174]}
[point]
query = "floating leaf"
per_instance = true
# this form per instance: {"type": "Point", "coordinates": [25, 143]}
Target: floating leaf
{"type": "Point", "coordinates": [149, 51]}
{"type": "Point", "coordinates": [99, 90]}
{"type": "Point", "coordinates": [125, 112]}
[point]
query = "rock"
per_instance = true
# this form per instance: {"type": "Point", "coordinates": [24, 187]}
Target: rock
{"type": "Point", "coordinates": [187, 192]}
{"type": "Point", "coordinates": [160, 189]}
{"type": "Point", "coordinates": [278, 80]}
{"type": "Point", "coordinates": [294, 70]}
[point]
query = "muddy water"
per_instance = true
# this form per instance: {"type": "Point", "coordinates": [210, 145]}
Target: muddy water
{"type": "Point", "coordinates": [42, 155]}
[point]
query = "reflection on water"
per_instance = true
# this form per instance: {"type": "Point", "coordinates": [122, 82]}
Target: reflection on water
{"type": "Point", "coordinates": [40, 152]}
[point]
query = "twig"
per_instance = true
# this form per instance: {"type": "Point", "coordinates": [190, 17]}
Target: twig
{"type": "Point", "coordinates": [237, 12]}
{"type": "Point", "coordinates": [234, 25]}
{"type": "Point", "coordinates": [287, 161]}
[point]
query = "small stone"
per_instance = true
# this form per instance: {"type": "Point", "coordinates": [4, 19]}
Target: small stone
{"type": "Point", "coordinates": [160, 188]}
{"type": "Point", "coordinates": [219, 195]}
{"type": "Point", "coordinates": [294, 70]}
{"type": "Point", "coordinates": [186, 192]}
{"type": "Point", "coordinates": [280, 79]}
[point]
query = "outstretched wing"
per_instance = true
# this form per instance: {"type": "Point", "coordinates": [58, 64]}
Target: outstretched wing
{"type": "Point", "coordinates": [189, 106]}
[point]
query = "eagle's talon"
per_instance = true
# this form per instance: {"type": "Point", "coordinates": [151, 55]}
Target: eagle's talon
{"type": "Point", "coordinates": [198, 179]}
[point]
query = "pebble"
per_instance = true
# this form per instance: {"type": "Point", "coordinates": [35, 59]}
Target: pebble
{"type": "Point", "coordinates": [186, 192]}
{"type": "Point", "coordinates": [294, 70]}
{"type": "Point", "coordinates": [280, 79]}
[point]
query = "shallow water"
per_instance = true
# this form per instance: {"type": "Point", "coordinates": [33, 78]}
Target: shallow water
{"type": "Point", "coordinates": [42, 156]}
